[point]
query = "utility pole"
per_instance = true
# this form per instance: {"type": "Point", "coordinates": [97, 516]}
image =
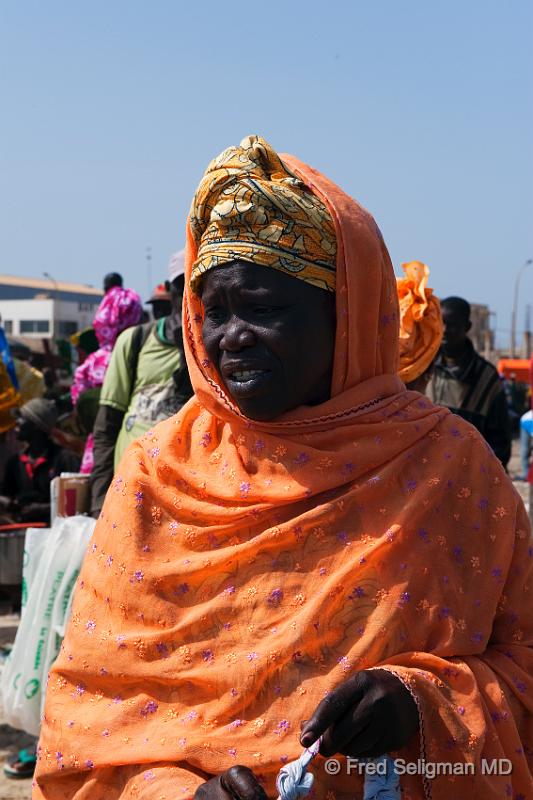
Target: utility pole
{"type": "Point", "coordinates": [149, 269]}
{"type": "Point", "coordinates": [515, 304]}
{"type": "Point", "coordinates": [527, 333]}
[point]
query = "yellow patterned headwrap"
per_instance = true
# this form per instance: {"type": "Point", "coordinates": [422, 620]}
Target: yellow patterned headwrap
{"type": "Point", "coordinates": [421, 325]}
{"type": "Point", "coordinates": [250, 206]}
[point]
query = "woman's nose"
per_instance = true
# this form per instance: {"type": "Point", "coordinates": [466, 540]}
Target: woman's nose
{"type": "Point", "coordinates": [237, 336]}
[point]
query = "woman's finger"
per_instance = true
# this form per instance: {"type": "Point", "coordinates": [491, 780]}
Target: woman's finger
{"type": "Point", "coordinates": [242, 784]}
{"type": "Point", "coordinates": [336, 738]}
{"type": "Point", "coordinates": [365, 743]}
{"type": "Point", "coordinates": [333, 707]}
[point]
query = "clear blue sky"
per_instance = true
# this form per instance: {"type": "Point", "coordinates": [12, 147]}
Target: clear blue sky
{"type": "Point", "coordinates": [421, 110]}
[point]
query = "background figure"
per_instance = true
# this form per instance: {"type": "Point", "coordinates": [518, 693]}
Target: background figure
{"type": "Point", "coordinates": [468, 384]}
{"type": "Point", "coordinates": [160, 301]}
{"type": "Point", "coordinates": [147, 381]}
{"type": "Point", "coordinates": [10, 400]}
{"type": "Point", "coordinates": [526, 431]}
{"type": "Point", "coordinates": [26, 486]}
{"type": "Point", "coordinates": [112, 280]}
{"type": "Point", "coordinates": [120, 308]}
{"type": "Point", "coordinates": [420, 326]}
{"type": "Point", "coordinates": [30, 380]}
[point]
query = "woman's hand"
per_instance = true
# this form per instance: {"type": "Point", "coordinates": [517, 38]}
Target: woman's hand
{"type": "Point", "coordinates": [367, 715]}
{"type": "Point", "coordinates": [237, 783]}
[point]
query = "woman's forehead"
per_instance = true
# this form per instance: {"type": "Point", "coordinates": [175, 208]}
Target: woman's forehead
{"type": "Point", "coordinates": [246, 277]}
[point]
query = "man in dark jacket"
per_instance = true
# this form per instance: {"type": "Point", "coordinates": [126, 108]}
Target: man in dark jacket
{"type": "Point", "coordinates": [468, 384]}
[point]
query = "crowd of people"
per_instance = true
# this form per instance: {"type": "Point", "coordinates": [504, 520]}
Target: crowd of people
{"type": "Point", "coordinates": [322, 548]}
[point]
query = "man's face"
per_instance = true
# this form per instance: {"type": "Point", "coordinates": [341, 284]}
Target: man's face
{"type": "Point", "coordinates": [25, 430]}
{"type": "Point", "coordinates": [270, 336]}
{"type": "Point", "coordinates": [456, 329]}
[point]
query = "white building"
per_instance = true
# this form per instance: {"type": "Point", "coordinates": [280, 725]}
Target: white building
{"type": "Point", "coordinates": [38, 308]}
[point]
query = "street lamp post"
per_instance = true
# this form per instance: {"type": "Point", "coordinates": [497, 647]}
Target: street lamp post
{"type": "Point", "coordinates": [515, 304]}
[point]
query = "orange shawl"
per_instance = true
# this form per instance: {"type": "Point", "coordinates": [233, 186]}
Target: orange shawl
{"type": "Point", "coordinates": [239, 570]}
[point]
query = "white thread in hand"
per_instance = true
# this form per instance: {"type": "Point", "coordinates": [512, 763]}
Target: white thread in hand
{"type": "Point", "coordinates": [293, 781]}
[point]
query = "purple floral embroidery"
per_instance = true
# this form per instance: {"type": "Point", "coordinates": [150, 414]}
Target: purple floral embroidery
{"type": "Point", "coordinates": [237, 723]}
{"type": "Point", "coordinates": [405, 597]}
{"type": "Point", "coordinates": [138, 576]}
{"type": "Point", "coordinates": [80, 689]}
{"type": "Point", "coordinates": [89, 764]}
{"type": "Point", "coordinates": [275, 597]}
{"type": "Point", "coordinates": [162, 649]}
{"type": "Point", "coordinates": [345, 663]}
{"type": "Point", "coordinates": [208, 656]}
{"type": "Point", "coordinates": [190, 715]}
{"type": "Point", "coordinates": [90, 625]}
{"type": "Point", "coordinates": [173, 527]}
{"type": "Point", "coordinates": [411, 485]}
{"type": "Point", "coordinates": [234, 692]}
{"type": "Point", "coordinates": [154, 452]}
{"type": "Point", "coordinates": [301, 459]}
{"type": "Point", "coordinates": [252, 656]}
{"type": "Point", "coordinates": [181, 588]}
{"type": "Point", "coordinates": [244, 488]}
{"type": "Point", "coordinates": [232, 752]}
{"type": "Point", "coordinates": [357, 593]}
{"type": "Point", "coordinates": [477, 638]}
{"type": "Point", "coordinates": [483, 504]}
{"type": "Point", "coordinates": [139, 496]}
{"type": "Point", "coordinates": [282, 727]}
{"type": "Point", "coordinates": [105, 732]}
{"type": "Point", "coordinates": [206, 440]}
{"type": "Point", "coordinates": [109, 561]}
{"type": "Point", "coordinates": [150, 708]}
{"type": "Point", "coordinates": [149, 775]}
{"type": "Point", "coordinates": [229, 590]}
{"type": "Point", "coordinates": [424, 535]}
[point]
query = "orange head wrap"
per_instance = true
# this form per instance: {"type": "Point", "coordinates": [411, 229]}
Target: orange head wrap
{"type": "Point", "coordinates": [420, 322]}
{"type": "Point", "coordinates": [250, 206]}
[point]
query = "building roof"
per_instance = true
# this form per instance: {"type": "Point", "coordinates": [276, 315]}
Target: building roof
{"type": "Point", "coordinates": [49, 285]}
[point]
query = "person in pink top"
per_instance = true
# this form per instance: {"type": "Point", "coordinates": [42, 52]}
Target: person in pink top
{"type": "Point", "coordinates": [120, 309]}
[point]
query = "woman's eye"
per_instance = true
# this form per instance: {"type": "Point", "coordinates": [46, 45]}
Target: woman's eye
{"type": "Point", "coordinates": [265, 309]}
{"type": "Point", "coordinates": [216, 313]}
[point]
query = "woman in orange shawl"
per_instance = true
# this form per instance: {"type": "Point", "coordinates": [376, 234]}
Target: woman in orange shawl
{"type": "Point", "coordinates": [246, 568]}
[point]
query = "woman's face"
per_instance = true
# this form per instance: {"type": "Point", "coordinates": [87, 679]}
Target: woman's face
{"type": "Point", "coordinates": [270, 336]}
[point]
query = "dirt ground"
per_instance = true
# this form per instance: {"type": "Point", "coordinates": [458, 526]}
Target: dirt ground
{"type": "Point", "coordinates": [11, 740]}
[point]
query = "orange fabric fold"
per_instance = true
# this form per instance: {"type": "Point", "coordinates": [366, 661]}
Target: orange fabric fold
{"type": "Point", "coordinates": [240, 570]}
{"type": "Point", "coordinates": [421, 325]}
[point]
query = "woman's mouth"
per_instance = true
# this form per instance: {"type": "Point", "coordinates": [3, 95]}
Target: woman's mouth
{"type": "Point", "coordinates": [247, 382]}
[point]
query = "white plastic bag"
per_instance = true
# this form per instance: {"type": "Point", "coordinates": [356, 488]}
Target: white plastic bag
{"type": "Point", "coordinates": [53, 559]}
